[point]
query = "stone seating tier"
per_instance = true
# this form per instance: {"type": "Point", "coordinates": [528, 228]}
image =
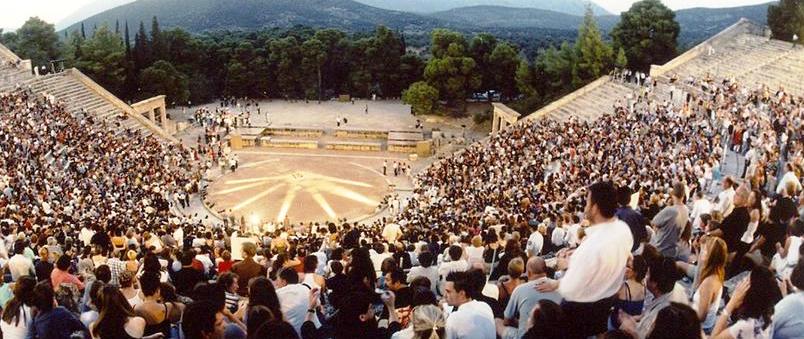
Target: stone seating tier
{"type": "Point", "coordinates": [401, 146]}
{"type": "Point", "coordinates": [288, 143]}
{"type": "Point", "coordinates": [303, 132]}
{"type": "Point", "coordinates": [354, 146]}
{"type": "Point", "coordinates": [360, 133]}
{"type": "Point", "coordinates": [405, 135]}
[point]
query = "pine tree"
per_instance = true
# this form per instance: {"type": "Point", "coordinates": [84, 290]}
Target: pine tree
{"type": "Point", "coordinates": [787, 18]}
{"type": "Point", "coordinates": [83, 33]}
{"type": "Point", "coordinates": [142, 49]}
{"type": "Point", "coordinates": [594, 55]}
{"type": "Point", "coordinates": [117, 27]}
{"type": "Point", "coordinates": [621, 61]}
{"type": "Point", "coordinates": [127, 41]}
{"type": "Point", "coordinates": [158, 49]}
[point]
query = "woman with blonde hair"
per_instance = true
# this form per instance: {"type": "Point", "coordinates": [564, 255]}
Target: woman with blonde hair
{"type": "Point", "coordinates": [132, 265]}
{"type": "Point", "coordinates": [428, 322]}
{"type": "Point", "coordinates": [708, 284]}
{"type": "Point", "coordinates": [474, 253]}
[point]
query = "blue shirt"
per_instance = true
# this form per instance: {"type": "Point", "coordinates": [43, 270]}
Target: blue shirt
{"type": "Point", "coordinates": [788, 317]}
{"type": "Point", "coordinates": [59, 323]}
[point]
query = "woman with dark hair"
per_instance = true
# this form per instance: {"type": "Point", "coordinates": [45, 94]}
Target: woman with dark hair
{"type": "Point", "coordinates": [117, 318]}
{"type": "Point", "coordinates": [156, 313]}
{"type": "Point", "coordinates": [546, 321]}
{"type": "Point", "coordinates": [677, 321]}
{"type": "Point", "coordinates": [61, 274]}
{"type": "Point", "coordinates": [17, 312]}
{"type": "Point", "coordinates": [631, 296]}
{"type": "Point", "coordinates": [512, 250]}
{"type": "Point", "coordinates": [309, 277]}
{"type": "Point", "coordinates": [752, 305]}
{"type": "Point", "coordinates": [262, 294]}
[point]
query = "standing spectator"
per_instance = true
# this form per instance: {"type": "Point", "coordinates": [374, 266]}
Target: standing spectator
{"type": "Point", "coordinates": [596, 269]}
{"type": "Point", "coordinates": [19, 265]}
{"type": "Point", "coordinates": [670, 222]}
{"type": "Point", "coordinates": [248, 268]}
{"type": "Point", "coordinates": [635, 221]}
{"type": "Point", "coordinates": [294, 298]}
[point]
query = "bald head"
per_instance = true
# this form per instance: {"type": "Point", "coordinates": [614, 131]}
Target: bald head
{"type": "Point", "coordinates": [536, 267]}
{"type": "Point", "coordinates": [741, 196]}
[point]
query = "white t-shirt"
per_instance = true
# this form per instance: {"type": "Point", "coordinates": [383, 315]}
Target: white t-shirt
{"type": "Point", "coordinates": [17, 329]}
{"type": "Point", "coordinates": [750, 329]}
{"type": "Point", "coordinates": [535, 243]}
{"type": "Point", "coordinates": [391, 232]}
{"type": "Point", "coordinates": [597, 267]}
{"type": "Point", "coordinates": [294, 301]}
{"type": "Point", "coordinates": [472, 320]}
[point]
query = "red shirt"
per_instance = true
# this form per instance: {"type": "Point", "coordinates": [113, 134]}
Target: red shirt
{"type": "Point", "coordinates": [225, 266]}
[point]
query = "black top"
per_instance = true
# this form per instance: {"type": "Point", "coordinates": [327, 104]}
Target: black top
{"type": "Point", "coordinates": [636, 222]}
{"type": "Point", "coordinates": [308, 331]}
{"type": "Point", "coordinates": [185, 280]}
{"type": "Point", "coordinates": [496, 308]}
{"type": "Point", "coordinates": [734, 225]}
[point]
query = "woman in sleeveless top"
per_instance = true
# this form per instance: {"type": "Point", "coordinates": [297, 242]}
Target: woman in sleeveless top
{"type": "Point", "coordinates": [507, 284]}
{"type": "Point", "coordinates": [117, 319]}
{"type": "Point", "coordinates": [708, 283]}
{"type": "Point", "coordinates": [747, 238]}
{"type": "Point", "coordinates": [131, 294]}
{"type": "Point", "coordinates": [158, 316]}
{"type": "Point", "coordinates": [631, 297]}
{"type": "Point", "coordinates": [17, 312]}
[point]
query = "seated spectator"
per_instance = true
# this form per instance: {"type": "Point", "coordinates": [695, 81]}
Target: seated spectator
{"type": "Point", "coordinates": [472, 319]}
{"type": "Point", "coordinates": [203, 321]}
{"type": "Point", "coordinates": [52, 321]}
{"type": "Point", "coordinates": [17, 312]}
{"type": "Point", "coordinates": [117, 318]}
{"type": "Point", "coordinates": [524, 299]}
{"type": "Point", "coordinates": [788, 315]}
{"type": "Point", "coordinates": [425, 269]}
{"type": "Point", "coordinates": [751, 305]}
{"type": "Point", "coordinates": [631, 297]}
{"type": "Point", "coordinates": [230, 283]}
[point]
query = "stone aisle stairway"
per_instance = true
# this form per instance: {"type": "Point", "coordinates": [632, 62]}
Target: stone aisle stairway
{"type": "Point", "coordinates": [591, 105]}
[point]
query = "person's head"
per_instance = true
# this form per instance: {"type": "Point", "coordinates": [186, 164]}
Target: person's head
{"type": "Point", "coordinates": [713, 258]}
{"type": "Point", "coordinates": [355, 316]}
{"type": "Point", "coordinates": [516, 267]}
{"type": "Point", "coordinates": [728, 182]}
{"type": "Point", "coordinates": [337, 267]}
{"type": "Point", "coordinates": [662, 276]}
{"type": "Point", "coordinates": [761, 296]}
{"type": "Point", "coordinates": [187, 257]}
{"type": "Point", "coordinates": [63, 263]}
{"type": "Point", "coordinates": [274, 329]}
{"type": "Point", "coordinates": [455, 252]}
{"type": "Point", "coordinates": [546, 321]}
{"type": "Point", "coordinates": [422, 295]}
{"type": "Point", "coordinates": [636, 268]}
{"type": "Point", "coordinates": [601, 202]}
{"type": "Point", "coordinates": [202, 319]}
{"type": "Point", "coordinates": [678, 192]}
{"type": "Point", "coordinates": [287, 276]}
{"type": "Point", "coordinates": [425, 259]}
{"type": "Point", "coordinates": [477, 241]}
{"type": "Point", "coordinates": [797, 276]}
{"type": "Point", "coordinates": [43, 297]}
{"type": "Point", "coordinates": [126, 279]}
{"type": "Point", "coordinates": [457, 288]}
{"type": "Point", "coordinates": [44, 254]}
{"type": "Point", "coordinates": [537, 268]}
{"type": "Point", "coordinates": [230, 281]}
{"type": "Point", "coordinates": [114, 311]}
{"type": "Point", "coordinates": [19, 246]}
{"type": "Point", "coordinates": [428, 322]}
{"type": "Point", "coordinates": [261, 292]}
{"type": "Point", "coordinates": [677, 321]}
{"type": "Point", "coordinates": [226, 255]}
{"type": "Point", "coordinates": [741, 196]}
{"type": "Point", "coordinates": [395, 279]}
{"type": "Point", "coordinates": [103, 273]}
{"type": "Point", "coordinates": [150, 284]}
{"type": "Point", "coordinates": [623, 195]}
{"type": "Point", "coordinates": [310, 263]}
{"type": "Point", "coordinates": [168, 292]}
{"type": "Point", "coordinates": [249, 250]}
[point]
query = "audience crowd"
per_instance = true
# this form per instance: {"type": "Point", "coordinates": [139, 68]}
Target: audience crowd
{"type": "Point", "coordinates": [624, 227]}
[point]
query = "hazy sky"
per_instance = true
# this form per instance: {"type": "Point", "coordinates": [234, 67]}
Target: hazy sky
{"type": "Point", "coordinates": [15, 12]}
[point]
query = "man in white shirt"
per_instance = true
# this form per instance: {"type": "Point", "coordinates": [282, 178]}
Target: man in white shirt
{"type": "Point", "coordinates": [472, 319]}
{"type": "Point", "coordinates": [700, 206]}
{"type": "Point", "coordinates": [293, 298]}
{"type": "Point", "coordinates": [456, 264]}
{"type": "Point", "coordinates": [595, 270]}
{"type": "Point", "coordinates": [535, 241]}
{"type": "Point", "coordinates": [789, 176]}
{"type": "Point", "coordinates": [392, 232]}
{"type": "Point", "coordinates": [19, 265]}
{"type": "Point", "coordinates": [86, 235]}
{"type": "Point", "coordinates": [725, 199]}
